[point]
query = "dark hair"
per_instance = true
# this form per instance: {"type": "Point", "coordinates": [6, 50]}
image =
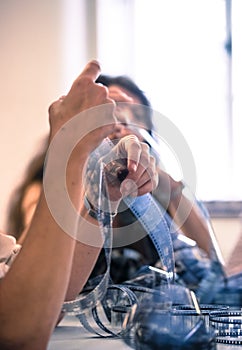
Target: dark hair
{"type": "Point", "coordinates": [128, 84]}
{"type": "Point", "coordinates": [33, 174]}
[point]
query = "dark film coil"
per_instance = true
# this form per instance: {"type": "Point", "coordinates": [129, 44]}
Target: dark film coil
{"type": "Point", "coordinates": [227, 326]}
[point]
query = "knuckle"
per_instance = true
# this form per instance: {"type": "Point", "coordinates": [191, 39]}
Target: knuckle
{"type": "Point", "coordinates": [53, 109]}
{"type": "Point", "coordinates": [145, 147]}
{"type": "Point", "coordinates": [153, 162]}
{"type": "Point", "coordinates": [103, 90]}
{"type": "Point", "coordinates": [133, 139]}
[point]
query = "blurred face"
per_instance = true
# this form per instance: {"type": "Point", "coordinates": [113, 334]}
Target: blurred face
{"type": "Point", "coordinates": [124, 111]}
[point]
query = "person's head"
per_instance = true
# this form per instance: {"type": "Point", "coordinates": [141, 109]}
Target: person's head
{"type": "Point", "coordinates": [123, 89]}
{"type": "Point", "coordinates": [24, 199]}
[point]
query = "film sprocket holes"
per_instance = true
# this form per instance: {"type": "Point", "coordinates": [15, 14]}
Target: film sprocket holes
{"type": "Point", "coordinates": [227, 326]}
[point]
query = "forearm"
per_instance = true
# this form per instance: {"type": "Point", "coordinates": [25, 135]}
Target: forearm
{"type": "Point", "coordinates": [36, 284]}
{"type": "Point", "coordinates": [87, 249]}
{"type": "Point", "coordinates": [34, 288]}
{"type": "Point", "coordinates": [187, 216]}
{"type": "Point", "coordinates": [185, 213]}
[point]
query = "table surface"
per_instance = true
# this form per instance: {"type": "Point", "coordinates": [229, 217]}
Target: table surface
{"type": "Point", "coordinates": [72, 336]}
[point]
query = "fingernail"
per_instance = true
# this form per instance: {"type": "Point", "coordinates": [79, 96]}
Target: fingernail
{"type": "Point", "coordinates": [127, 187]}
{"type": "Point", "coordinates": [132, 166]}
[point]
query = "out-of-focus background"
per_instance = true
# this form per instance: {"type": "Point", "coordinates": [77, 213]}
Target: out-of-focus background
{"type": "Point", "coordinates": [186, 55]}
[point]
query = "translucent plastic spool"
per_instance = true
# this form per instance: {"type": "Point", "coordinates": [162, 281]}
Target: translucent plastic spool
{"type": "Point", "coordinates": [155, 324]}
{"type": "Point", "coordinates": [154, 328]}
{"type": "Point", "coordinates": [227, 326]}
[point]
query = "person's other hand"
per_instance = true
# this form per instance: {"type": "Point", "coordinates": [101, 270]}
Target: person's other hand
{"type": "Point", "coordinates": [129, 169]}
{"type": "Point", "coordinates": [135, 164]}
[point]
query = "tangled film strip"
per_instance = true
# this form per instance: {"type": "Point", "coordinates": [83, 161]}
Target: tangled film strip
{"type": "Point", "coordinates": [111, 310]}
{"type": "Point", "coordinates": [85, 123]}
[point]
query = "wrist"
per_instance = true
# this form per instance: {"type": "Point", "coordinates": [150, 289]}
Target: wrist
{"type": "Point", "coordinates": [95, 212]}
{"type": "Point", "coordinates": [168, 190]}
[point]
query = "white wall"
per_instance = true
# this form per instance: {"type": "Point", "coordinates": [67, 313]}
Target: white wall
{"type": "Point", "coordinates": [43, 47]}
{"type": "Point", "coordinates": [228, 232]}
